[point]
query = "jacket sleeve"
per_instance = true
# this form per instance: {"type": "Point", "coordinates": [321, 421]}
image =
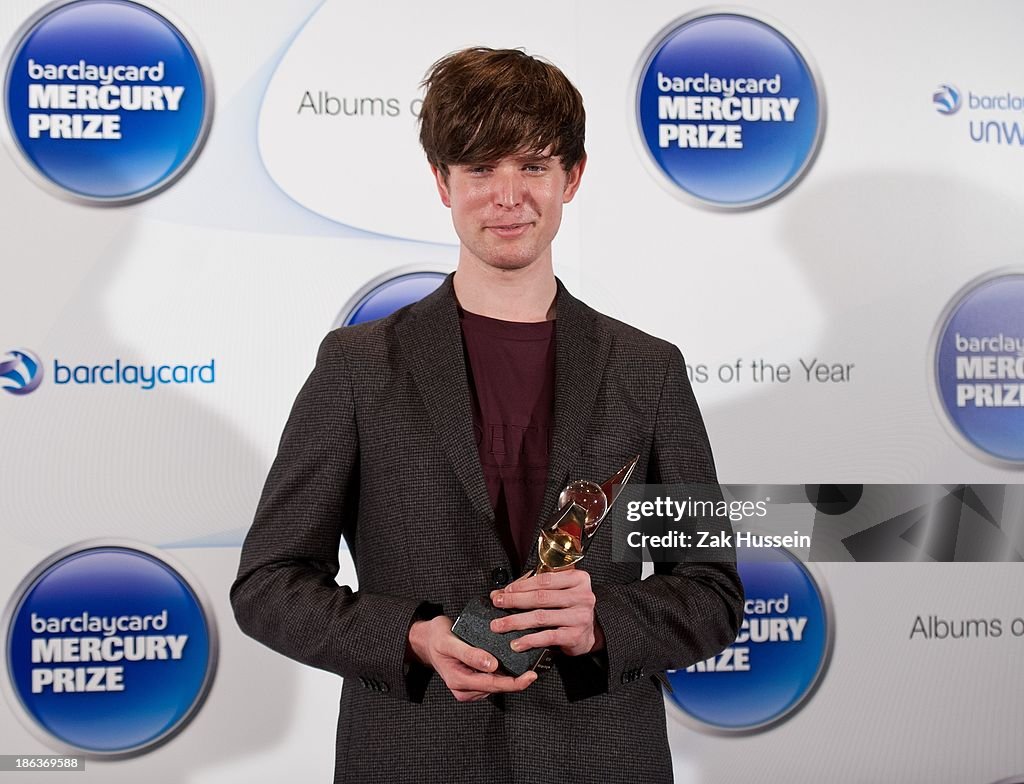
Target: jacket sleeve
{"type": "Point", "coordinates": [684, 612]}
{"type": "Point", "coordinates": [285, 594]}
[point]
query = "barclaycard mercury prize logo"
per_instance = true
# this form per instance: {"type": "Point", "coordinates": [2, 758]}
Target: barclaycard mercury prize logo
{"type": "Point", "coordinates": [21, 372]}
{"type": "Point", "coordinates": [979, 367]}
{"type": "Point", "coordinates": [111, 649]}
{"type": "Point", "coordinates": [730, 110]}
{"type": "Point", "coordinates": [946, 99]}
{"type": "Point", "coordinates": [778, 659]}
{"type": "Point", "coordinates": [105, 100]}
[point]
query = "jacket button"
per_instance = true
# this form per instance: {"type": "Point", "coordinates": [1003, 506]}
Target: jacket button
{"type": "Point", "coordinates": [500, 577]}
{"type": "Point", "coordinates": [384, 688]}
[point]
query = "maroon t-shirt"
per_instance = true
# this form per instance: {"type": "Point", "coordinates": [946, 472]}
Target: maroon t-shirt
{"type": "Point", "coordinates": [512, 377]}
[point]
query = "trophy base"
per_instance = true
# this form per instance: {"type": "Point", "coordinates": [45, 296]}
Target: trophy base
{"type": "Point", "coordinates": [474, 627]}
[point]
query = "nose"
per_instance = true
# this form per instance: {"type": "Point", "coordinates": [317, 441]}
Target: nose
{"type": "Point", "coordinates": [508, 189]}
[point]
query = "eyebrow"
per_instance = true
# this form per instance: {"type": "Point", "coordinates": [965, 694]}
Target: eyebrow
{"type": "Point", "coordinates": [532, 158]}
{"type": "Point", "coordinates": [523, 158]}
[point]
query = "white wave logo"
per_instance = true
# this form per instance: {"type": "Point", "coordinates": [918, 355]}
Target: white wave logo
{"type": "Point", "coordinates": [946, 99]}
{"type": "Point", "coordinates": [20, 372]}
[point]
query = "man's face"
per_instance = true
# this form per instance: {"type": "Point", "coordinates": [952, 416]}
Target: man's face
{"type": "Point", "coordinates": [507, 212]}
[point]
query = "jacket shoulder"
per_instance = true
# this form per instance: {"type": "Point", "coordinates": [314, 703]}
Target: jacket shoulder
{"type": "Point", "coordinates": [628, 338]}
{"type": "Point", "coordinates": [370, 337]}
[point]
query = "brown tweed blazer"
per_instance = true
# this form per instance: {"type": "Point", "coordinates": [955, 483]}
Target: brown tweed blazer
{"type": "Point", "coordinates": [379, 448]}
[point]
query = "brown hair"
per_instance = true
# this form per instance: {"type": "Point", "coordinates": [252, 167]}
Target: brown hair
{"type": "Point", "coordinates": [483, 104]}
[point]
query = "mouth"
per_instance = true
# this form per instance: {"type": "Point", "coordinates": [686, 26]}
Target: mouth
{"type": "Point", "coordinates": [509, 229]}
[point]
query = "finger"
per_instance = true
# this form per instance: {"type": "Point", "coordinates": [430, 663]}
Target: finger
{"type": "Point", "coordinates": [544, 597]}
{"type": "Point", "coordinates": [458, 677]}
{"type": "Point", "coordinates": [501, 591]}
{"type": "Point", "coordinates": [576, 596]}
{"type": "Point", "coordinates": [519, 579]}
{"type": "Point", "coordinates": [525, 680]}
{"type": "Point", "coordinates": [567, 578]}
{"type": "Point", "coordinates": [537, 619]}
{"type": "Point", "coordinates": [461, 651]}
{"type": "Point", "coordinates": [490, 684]}
{"type": "Point", "coordinates": [497, 594]}
{"type": "Point", "coordinates": [546, 638]}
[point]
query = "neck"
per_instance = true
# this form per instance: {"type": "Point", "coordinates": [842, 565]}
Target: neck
{"type": "Point", "coordinates": [526, 294]}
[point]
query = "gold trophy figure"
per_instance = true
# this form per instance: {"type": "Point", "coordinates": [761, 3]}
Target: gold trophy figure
{"type": "Point", "coordinates": [582, 507]}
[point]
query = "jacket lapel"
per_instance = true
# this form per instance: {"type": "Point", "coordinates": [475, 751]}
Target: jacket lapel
{"type": "Point", "coordinates": [432, 346]}
{"type": "Point", "coordinates": [582, 346]}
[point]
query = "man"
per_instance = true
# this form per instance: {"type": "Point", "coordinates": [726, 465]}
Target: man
{"type": "Point", "coordinates": [437, 440]}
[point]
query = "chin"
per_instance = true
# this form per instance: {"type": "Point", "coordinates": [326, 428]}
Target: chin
{"type": "Point", "coordinates": [510, 264]}
{"type": "Point", "coordinates": [506, 261]}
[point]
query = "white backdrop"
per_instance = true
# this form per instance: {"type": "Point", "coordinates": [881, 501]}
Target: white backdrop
{"type": "Point", "coordinates": [285, 214]}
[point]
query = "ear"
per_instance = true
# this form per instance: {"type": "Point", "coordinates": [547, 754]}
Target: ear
{"type": "Point", "coordinates": [442, 185]}
{"type": "Point", "coordinates": [572, 182]}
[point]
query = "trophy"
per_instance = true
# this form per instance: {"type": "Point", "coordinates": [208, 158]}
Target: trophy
{"type": "Point", "coordinates": [563, 541]}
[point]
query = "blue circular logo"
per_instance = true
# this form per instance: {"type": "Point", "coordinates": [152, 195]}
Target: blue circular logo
{"type": "Point", "coordinates": [384, 295]}
{"type": "Point", "coordinates": [110, 651]}
{"type": "Point", "coordinates": [979, 367]}
{"type": "Point", "coordinates": [20, 372]}
{"type": "Point", "coordinates": [778, 658]}
{"type": "Point", "coordinates": [730, 112]}
{"type": "Point", "coordinates": [106, 100]}
{"type": "Point", "coordinates": [946, 99]}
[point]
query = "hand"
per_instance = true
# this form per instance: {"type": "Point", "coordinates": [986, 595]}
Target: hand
{"type": "Point", "coordinates": [467, 671]}
{"type": "Point", "coordinates": [561, 601]}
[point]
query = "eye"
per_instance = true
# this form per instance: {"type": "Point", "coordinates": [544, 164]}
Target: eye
{"type": "Point", "coordinates": [481, 169]}
{"type": "Point", "coordinates": [535, 167]}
